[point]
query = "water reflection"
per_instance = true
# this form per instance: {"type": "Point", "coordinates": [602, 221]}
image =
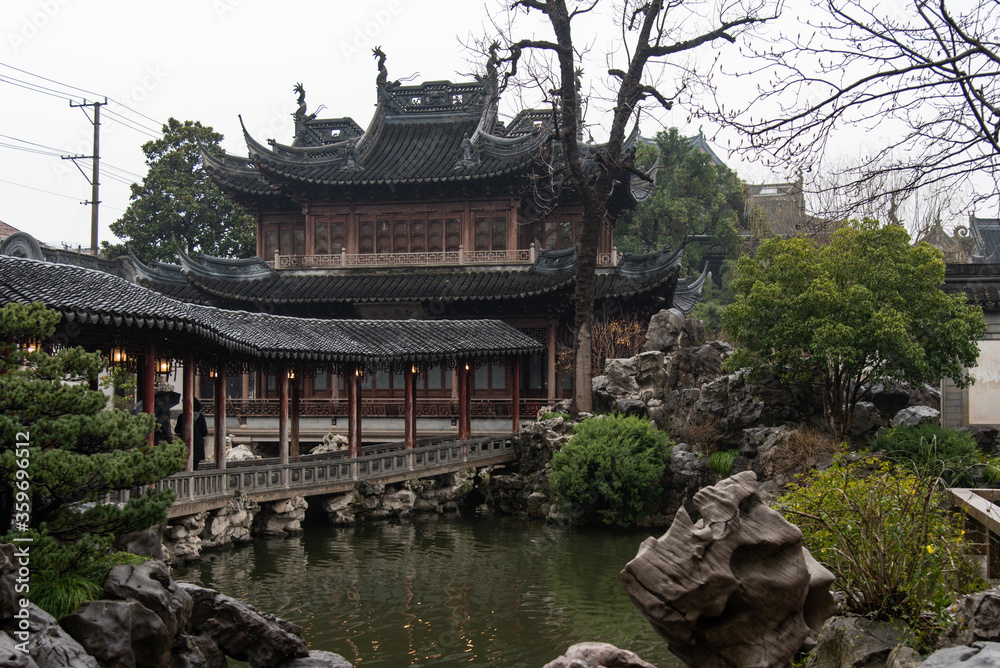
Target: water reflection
{"type": "Point", "coordinates": [443, 591]}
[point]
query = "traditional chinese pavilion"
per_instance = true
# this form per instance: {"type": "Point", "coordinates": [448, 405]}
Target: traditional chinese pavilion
{"type": "Point", "coordinates": [437, 210]}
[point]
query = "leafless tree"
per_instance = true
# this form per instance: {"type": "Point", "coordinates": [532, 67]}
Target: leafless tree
{"type": "Point", "coordinates": [841, 193]}
{"type": "Point", "coordinates": [649, 34]}
{"type": "Point", "coordinates": [919, 77]}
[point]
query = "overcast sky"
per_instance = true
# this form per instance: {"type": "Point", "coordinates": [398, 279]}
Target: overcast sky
{"type": "Point", "coordinates": [210, 61]}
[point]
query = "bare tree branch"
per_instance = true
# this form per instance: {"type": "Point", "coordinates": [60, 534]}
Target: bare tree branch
{"type": "Point", "coordinates": [928, 69]}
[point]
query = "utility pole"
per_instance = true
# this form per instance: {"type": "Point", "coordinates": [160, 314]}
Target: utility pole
{"type": "Point", "coordinates": [95, 183]}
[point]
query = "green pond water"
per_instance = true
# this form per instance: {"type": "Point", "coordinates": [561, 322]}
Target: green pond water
{"type": "Point", "coordinates": [443, 591]}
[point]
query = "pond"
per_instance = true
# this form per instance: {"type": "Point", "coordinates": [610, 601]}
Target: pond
{"type": "Point", "coordinates": [443, 590]}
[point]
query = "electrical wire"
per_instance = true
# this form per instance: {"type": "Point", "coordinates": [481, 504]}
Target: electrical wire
{"type": "Point", "coordinates": [47, 192]}
{"type": "Point", "coordinates": [157, 123]}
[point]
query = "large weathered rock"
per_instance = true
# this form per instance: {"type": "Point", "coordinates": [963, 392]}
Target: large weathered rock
{"type": "Point", "coordinates": [598, 655]}
{"type": "Point", "coordinates": [197, 652]}
{"type": "Point", "coordinates": [150, 584]}
{"type": "Point", "coordinates": [737, 589]}
{"type": "Point", "coordinates": [229, 524]}
{"type": "Point", "coordinates": [977, 618]}
{"type": "Point", "coordinates": [120, 634]}
{"type": "Point", "coordinates": [915, 415]}
{"type": "Point", "coordinates": [987, 437]}
{"type": "Point", "coordinates": [867, 419]}
{"type": "Point", "coordinates": [319, 660]}
{"type": "Point", "coordinates": [242, 631]}
{"type": "Point", "coordinates": [11, 656]}
{"type": "Point", "coordinates": [182, 538]}
{"type": "Point", "coordinates": [669, 329]}
{"type": "Point", "coordinates": [145, 543]}
{"type": "Point", "coordinates": [9, 598]}
{"type": "Point", "coordinates": [49, 646]}
{"type": "Point", "coordinates": [980, 655]}
{"type": "Point", "coordinates": [277, 518]}
{"type": "Point", "coordinates": [855, 642]}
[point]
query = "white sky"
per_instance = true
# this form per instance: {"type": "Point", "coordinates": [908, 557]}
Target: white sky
{"type": "Point", "coordinates": [211, 60]}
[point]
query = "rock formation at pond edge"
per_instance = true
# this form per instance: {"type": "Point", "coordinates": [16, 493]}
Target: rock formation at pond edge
{"type": "Point", "coordinates": [736, 589]}
{"type": "Point", "coordinates": [147, 620]}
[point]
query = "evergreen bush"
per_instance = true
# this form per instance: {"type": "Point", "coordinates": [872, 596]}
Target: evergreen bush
{"type": "Point", "coordinates": [931, 450]}
{"type": "Point", "coordinates": [62, 454]}
{"type": "Point", "coordinates": [610, 470]}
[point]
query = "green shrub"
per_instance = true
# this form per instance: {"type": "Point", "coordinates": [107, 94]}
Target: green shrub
{"type": "Point", "coordinates": [885, 533]}
{"type": "Point", "coordinates": [721, 463]}
{"type": "Point", "coordinates": [549, 416]}
{"type": "Point", "coordinates": [931, 450]}
{"type": "Point", "coordinates": [60, 591]}
{"type": "Point", "coordinates": [610, 470]}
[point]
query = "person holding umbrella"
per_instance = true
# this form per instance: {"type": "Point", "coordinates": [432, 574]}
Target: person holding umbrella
{"type": "Point", "coordinates": [200, 432]}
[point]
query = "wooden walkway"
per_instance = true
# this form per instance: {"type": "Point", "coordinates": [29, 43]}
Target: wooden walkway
{"type": "Point", "coordinates": [333, 473]}
{"type": "Point", "coordinates": [982, 526]}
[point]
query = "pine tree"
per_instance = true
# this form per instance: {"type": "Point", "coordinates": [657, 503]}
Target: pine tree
{"type": "Point", "coordinates": [62, 453]}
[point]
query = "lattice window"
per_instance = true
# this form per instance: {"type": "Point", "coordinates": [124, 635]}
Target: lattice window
{"type": "Point", "coordinates": [383, 236]}
{"type": "Point", "coordinates": [435, 235]}
{"type": "Point", "coordinates": [366, 236]}
{"type": "Point", "coordinates": [328, 235]}
{"type": "Point", "coordinates": [452, 234]}
{"type": "Point", "coordinates": [418, 236]}
{"type": "Point", "coordinates": [490, 232]}
{"type": "Point", "coordinates": [270, 243]}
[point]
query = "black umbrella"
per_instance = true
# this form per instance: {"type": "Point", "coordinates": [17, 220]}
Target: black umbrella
{"type": "Point", "coordinates": [168, 398]}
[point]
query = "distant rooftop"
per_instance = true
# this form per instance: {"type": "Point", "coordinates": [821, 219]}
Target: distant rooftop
{"type": "Point", "coordinates": [7, 230]}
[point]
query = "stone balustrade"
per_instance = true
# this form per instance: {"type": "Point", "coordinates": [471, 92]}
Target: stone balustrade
{"type": "Point", "coordinates": [267, 480]}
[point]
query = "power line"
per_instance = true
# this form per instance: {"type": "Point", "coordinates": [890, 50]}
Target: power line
{"type": "Point", "coordinates": [47, 192]}
{"type": "Point", "coordinates": [42, 149]}
{"type": "Point", "coordinates": [26, 86]}
{"type": "Point", "coordinates": [157, 123]}
{"type": "Point", "coordinates": [38, 76]}
{"type": "Point", "coordinates": [132, 125]}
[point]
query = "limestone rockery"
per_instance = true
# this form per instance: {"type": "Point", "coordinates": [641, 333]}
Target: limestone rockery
{"type": "Point", "coordinates": [147, 620]}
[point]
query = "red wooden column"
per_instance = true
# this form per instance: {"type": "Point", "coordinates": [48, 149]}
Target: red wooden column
{"type": "Point", "coordinates": [293, 452]}
{"type": "Point", "coordinates": [550, 376]}
{"type": "Point", "coordinates": [220, 416]}
{"type": "Point", "coordinates": [354, 413]}
{"type": "Point", "coordinates": [463, 401]}
{"type": "Point", "coordinates": [282, 381]}
{"type": "Point", "coordinates": [411, 406]}
{"type": "Point", "coordinates": [187, 408]}
{"type": "Point", "coordinates": [148, 382]}
{"type": "Point", "coordinates": [515, 379]}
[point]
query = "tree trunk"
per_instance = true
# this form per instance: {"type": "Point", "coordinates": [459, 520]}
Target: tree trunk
{"type": "Point", "coordinates": [583, 303]}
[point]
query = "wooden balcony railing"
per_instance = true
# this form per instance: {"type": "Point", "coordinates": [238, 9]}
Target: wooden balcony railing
{"type": "Point", "coordinates": [461, 257]}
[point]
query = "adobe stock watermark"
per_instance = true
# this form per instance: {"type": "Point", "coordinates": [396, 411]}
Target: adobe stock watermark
{"type": "Point", "coordinates": [32, 24]}
{"type": "Point", "coordinates": [22, 545]}
{"type": "Point", "coordinates": [223, 8]}
{"type": "Point", "coordinates": [364, 34]}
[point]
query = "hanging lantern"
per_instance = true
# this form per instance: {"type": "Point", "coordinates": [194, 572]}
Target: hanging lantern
{"type": "Point", "coordinates": [30, 346]}
{"type": "Point", "coordinates": [118, 355]}
{"type": "Point", "coordinates": [291, 374]}
{"type": "Point", "coordinates": [163, 365]}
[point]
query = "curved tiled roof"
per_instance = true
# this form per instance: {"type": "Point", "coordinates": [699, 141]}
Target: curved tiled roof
{"type": "Point", "coordinates": [552, 273]}
{"type": "Point", "coordinates": [94, 297]}
{"type": "Point", "coordinates": [399, 151]}
{"type": "Point", "coordinates": [979, 281]}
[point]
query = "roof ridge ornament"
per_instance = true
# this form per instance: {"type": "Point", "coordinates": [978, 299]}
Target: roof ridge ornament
{"type": "Point", "coordinates": [470, 154]}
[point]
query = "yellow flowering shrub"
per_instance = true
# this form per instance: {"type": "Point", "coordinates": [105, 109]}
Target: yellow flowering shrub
{"type": "Point", "coordinates": [889, 536]}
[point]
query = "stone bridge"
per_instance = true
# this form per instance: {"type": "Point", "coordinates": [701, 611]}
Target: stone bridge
{"type": "Point", "coordinates": [265, 480]}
